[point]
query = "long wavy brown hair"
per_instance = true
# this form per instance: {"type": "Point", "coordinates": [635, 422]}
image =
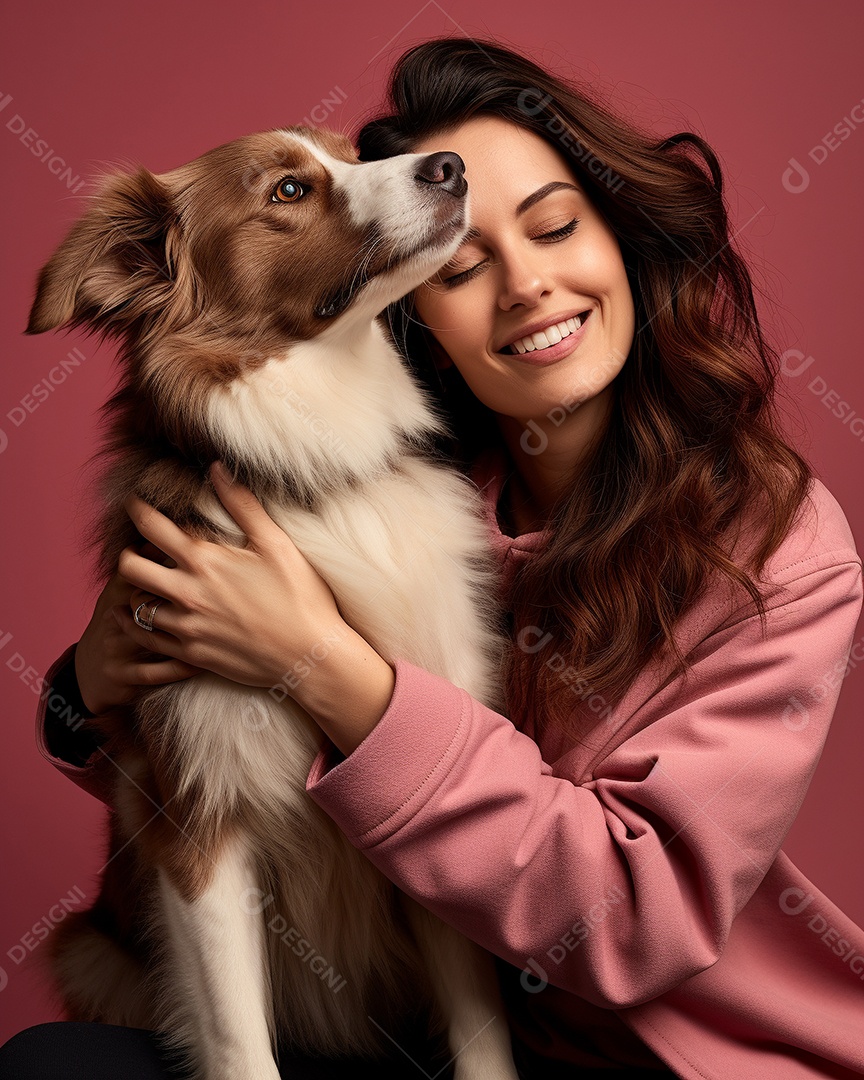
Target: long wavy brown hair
{"type": "Point", "coordinates": [692, 443]}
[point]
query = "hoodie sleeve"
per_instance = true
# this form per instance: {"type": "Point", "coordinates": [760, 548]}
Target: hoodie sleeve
{"type": "Point", "coordinates": [680, 821]}
{"type": "Point", "coordinates": [62, 735]}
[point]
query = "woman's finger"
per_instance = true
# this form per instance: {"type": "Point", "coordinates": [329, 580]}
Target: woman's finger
{"type": "Point", "coordinates": [243, 506]}
{"type": "Point", "coordinates": [148, 576]}
{"type": "Point", "coordinates": [159, 529]}
{"type": "Point", "coordinates": [150, 551]}
{"type": "Point", "coordinates": [154, 673]}
{"type": "Point", "coordinates": [157, 641]}
{"type": "Point", "coordinates": [166, 618]}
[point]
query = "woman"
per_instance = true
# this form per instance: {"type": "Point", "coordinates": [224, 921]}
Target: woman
{"type": "Point", "coordinates": [680, 587]}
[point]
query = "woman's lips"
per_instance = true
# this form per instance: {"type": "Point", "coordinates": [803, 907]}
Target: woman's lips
{"type": "Point", "coordinates": [541, 357]}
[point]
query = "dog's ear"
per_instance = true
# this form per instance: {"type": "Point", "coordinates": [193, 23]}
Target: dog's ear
{"type": "Point", "coordinates": [114, 266]}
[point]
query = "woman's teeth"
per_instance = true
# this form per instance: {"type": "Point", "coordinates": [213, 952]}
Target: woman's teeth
{"type": "Point", "coordinates": [542, 339]}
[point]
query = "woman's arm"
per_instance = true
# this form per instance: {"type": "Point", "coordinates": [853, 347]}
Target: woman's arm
{"type": "Point", "coordinates": [678, 818]}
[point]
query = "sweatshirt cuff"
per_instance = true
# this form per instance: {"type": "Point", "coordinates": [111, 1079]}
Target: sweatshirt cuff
{"type": "Point", "coordinates": [62, 737]}
{"type": "Point", "coordinates": [65, 736]}
{"type": "Point", "coordinates": [398, 767]}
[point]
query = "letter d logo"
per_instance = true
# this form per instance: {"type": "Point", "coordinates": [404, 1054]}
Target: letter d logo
{"type": "Point", "coordinates": [532, 101]}
{"type": "Point", "coordinates": [804, 362]}
{"type": "Point", "coordinates": [795, 716]}
{"type": "Point", "coordinates": [253, 901]}
{"type": "Point", "coordinates": [533, 969]}
{"type": "Point", "coordinates": [542, 439]}
{"type": "Point", "coordinates": [793, 901]}
{"type": "Point", "coordinates": [796, 178]}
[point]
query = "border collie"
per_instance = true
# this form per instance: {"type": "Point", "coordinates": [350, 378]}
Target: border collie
{"type": "Point", "coordinates": [246, 289]}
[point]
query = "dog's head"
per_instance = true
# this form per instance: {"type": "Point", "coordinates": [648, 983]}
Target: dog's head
{"type": "Point", "coordinates": [268, 239]}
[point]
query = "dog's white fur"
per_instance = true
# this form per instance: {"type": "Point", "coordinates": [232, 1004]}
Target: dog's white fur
{"type": "Point", "coordinates": [402, 547]}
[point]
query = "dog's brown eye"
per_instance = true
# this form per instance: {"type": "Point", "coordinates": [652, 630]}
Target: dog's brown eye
{"type": "Point", "coordinates": [287, 190]}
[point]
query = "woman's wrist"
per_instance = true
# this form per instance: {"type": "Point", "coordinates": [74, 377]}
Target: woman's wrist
{"type": "Point", "coordinates": [346, 689]}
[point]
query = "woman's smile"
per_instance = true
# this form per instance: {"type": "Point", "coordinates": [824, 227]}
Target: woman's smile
{"type": "Point", "coordinates": [551, 343]}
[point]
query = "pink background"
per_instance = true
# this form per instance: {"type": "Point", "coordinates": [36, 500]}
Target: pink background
{"type": "Point", "coordinates": [159, 83]}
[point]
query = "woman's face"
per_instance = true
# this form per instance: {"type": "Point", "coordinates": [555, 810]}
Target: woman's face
{"type": "Point", "coordinates": [529, 267]}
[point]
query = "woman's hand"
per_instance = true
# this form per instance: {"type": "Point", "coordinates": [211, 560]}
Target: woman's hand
{"type": "Point", "coordinates": [253, 614]}
{"type": "Point", "coordinates": [245, 613]}
{"type": "Point", "coordinates": [110, 666]}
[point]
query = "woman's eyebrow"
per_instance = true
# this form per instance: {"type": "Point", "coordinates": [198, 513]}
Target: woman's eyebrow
{"type": "Point", "coordinates": [541, 193]}
{"type": "Point", "coordinates": [528, 202]}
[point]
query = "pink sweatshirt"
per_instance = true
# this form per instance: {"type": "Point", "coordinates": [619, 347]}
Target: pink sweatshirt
{"type": "Point", "coordinates": [633, 882]}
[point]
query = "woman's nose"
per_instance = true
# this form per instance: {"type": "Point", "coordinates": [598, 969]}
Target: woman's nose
{"type": "Point", "coordinates": [524, 280]}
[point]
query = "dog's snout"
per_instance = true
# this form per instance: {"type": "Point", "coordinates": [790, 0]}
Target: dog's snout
{"type": "Point", "coordinates": [444, 169]}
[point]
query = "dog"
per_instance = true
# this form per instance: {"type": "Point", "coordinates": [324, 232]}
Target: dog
{"type": "Point", "coordinates": [247, 290]}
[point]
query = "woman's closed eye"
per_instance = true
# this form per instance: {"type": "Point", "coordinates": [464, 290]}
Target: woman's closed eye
{"type": "Point", "coordinates": [546, 238]}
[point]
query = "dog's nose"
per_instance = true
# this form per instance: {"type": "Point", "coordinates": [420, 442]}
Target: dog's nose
{"type": "Point", "coordinates": [444, 169]}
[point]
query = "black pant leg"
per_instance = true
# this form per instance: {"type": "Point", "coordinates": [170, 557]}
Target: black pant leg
{"type": "Point", "coordinates": [68, 1050]}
